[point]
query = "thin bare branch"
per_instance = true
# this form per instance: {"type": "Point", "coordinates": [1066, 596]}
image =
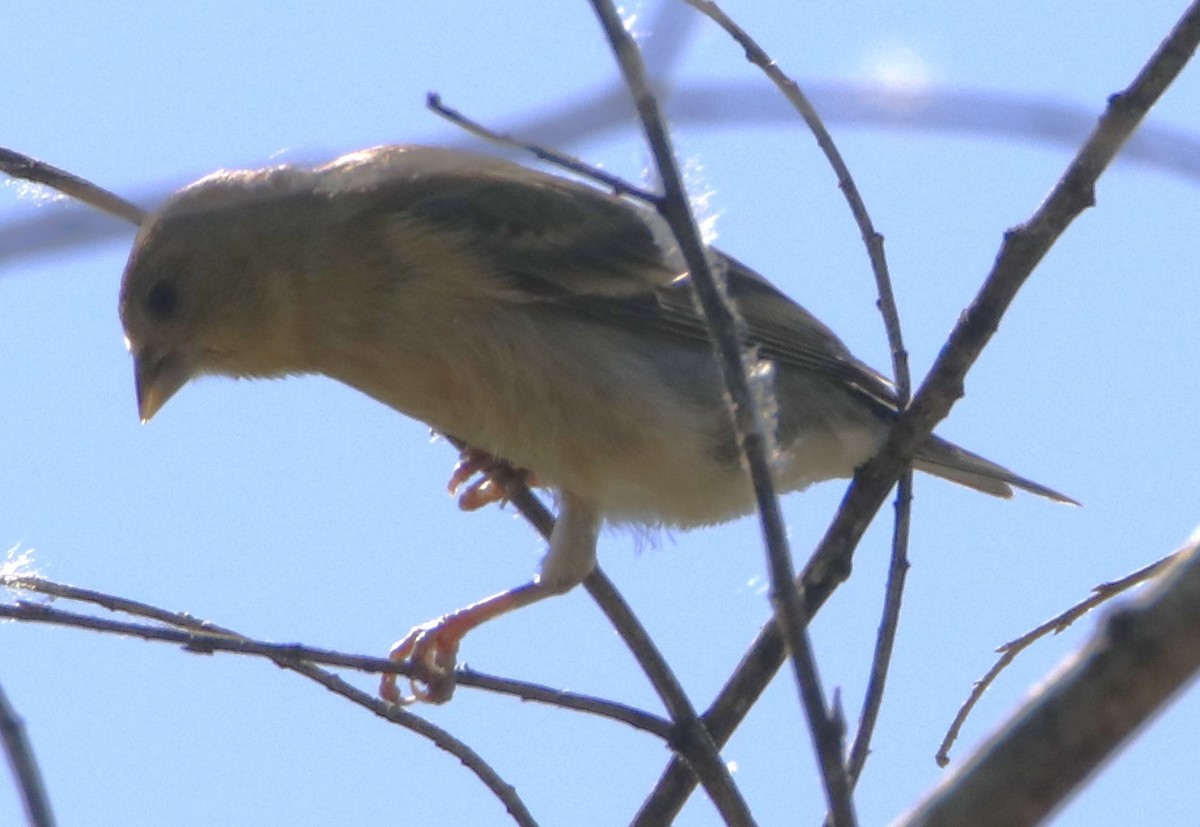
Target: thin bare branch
{"type": "Point", "coordinates": [873, 241]}
{"type": "Point", "coordinates": [25, 168]}
{"type": "Point", "coordinates": [858, 208]}
{"type": "Point", "coordinates": [297, 659]}
{"type": "Point", "coordinates": [112, 602]}
{"type": "Point", "coordinates": [1008, 652]}
{"type": "Point", "coordinates": [204, 637]}
{"type": "Point", "coordinates": [526, 691]}
{"type": "Point", "coordinates": [205, 643]}
{"type": "Point", "coordinates": [505, 792]}
{"type": "Point", "coordinates": [24, 767]}
{"type": "Point", "coordinates": [560, 159]}
{"type": "Point", "coordinates": [885, 640]}
{"type": "Point", "coordinates": [720, 317]}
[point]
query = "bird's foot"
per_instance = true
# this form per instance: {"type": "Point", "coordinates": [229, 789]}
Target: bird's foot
{"type": "Point", "coordinates": [497, 480]}
{"type": "Point", "coordinates": [434, 646]}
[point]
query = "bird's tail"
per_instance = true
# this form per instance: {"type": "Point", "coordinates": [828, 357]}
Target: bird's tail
{"type": "Point", "coordinates": [945, 459]}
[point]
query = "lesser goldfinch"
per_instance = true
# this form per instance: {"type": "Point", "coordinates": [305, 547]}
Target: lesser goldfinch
{"type": "Point", "coordinates": [538, 319]}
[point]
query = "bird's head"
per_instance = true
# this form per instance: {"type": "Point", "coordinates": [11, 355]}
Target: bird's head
{"type": "Point", "coordinates": [207, 288]}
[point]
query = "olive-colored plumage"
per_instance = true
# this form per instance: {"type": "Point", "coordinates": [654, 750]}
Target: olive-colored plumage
{"type": "Point", "coordinates": [535, 318]}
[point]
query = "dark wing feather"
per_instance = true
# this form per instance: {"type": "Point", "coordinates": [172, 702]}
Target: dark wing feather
{"type": "Point", "coordinates": [527, 224]}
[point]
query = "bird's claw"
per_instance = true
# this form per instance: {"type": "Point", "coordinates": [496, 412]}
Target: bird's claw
{"type": "Point", "coordinates": [497, 482]}
{"type": "Point", "coordinates": [434, 647]}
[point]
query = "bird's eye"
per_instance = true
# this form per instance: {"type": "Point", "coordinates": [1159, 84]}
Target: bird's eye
{"type": "Point", "coordinates": [162, 301]}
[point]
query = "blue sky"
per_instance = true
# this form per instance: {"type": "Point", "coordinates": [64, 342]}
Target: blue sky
{"type": "Point", "coordinates": [300, 511]}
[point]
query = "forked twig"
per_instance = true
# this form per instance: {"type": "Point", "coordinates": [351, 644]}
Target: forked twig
{"type": "Point", "coordinates": [1008, 652]}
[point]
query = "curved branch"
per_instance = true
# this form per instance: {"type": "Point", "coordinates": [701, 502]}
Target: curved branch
{"type": "Point", "coordinates": [203, 637]}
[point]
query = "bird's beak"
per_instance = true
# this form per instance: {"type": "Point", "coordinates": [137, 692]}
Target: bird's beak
{"type": "Point", "coordinates": [157, 377]}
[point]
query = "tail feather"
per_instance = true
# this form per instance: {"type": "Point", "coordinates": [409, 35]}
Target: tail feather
{"type": "Point", "coordinates": [945, 459]}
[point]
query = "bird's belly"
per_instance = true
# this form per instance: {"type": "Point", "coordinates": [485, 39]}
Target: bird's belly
{"type": "Point", "coordinates": [653, 458]}
{"type": "Point", "coordinates": [637, 427]}
{"type": "Point", "coordinates": [681, 484]}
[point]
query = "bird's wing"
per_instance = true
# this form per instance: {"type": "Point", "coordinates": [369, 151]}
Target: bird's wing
{"type": "Point", "coordinates": [782, 330]}
{"type": "Point", "coordinates": [529, 224]}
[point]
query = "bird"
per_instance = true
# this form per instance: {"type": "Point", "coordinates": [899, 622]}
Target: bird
{"type": "Point", "coordinates": [543, 323]}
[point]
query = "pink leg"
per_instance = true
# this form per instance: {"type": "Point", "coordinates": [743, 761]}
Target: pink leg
{"type": "Point", "coordinates": [435, 644]}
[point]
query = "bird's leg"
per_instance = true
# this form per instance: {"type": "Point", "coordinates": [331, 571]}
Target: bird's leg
{"type": "Point", "coordinates": [571, 558]}
{"type": "Point", "coordinates": [497, 479]}
{"type": "Point", "coordinates": [572, 553]}
{"type": "Point", "coordinates": [435, 644]}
